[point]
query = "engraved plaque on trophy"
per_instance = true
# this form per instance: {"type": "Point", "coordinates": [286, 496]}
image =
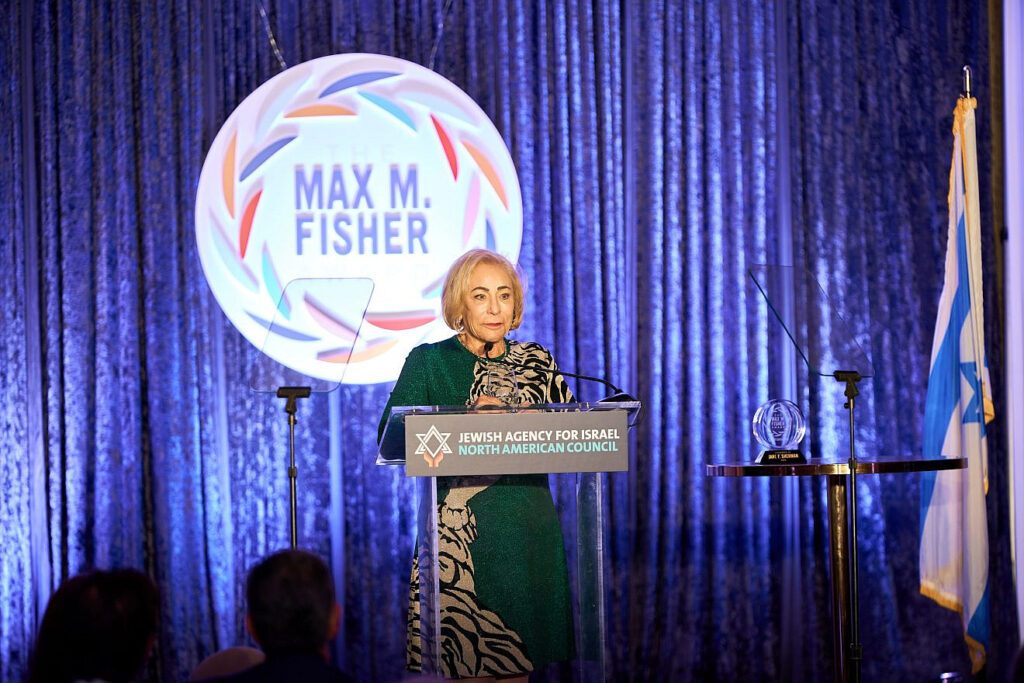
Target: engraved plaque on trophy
{"type": "Point", "coordinates": [779, 427]}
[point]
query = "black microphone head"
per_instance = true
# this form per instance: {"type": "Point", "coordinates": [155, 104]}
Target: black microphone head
{"type": "Point", "coordinates": [487, 349]}
{"type": "Point", "coordinates": [618, 397]}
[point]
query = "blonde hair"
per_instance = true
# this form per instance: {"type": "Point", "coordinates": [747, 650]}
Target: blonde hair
{"type": "Point", "coordinates": [456, 286]}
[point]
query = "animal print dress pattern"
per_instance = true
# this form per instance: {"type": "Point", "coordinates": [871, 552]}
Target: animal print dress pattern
{"type": "Point", "coordinates": [475, 641]}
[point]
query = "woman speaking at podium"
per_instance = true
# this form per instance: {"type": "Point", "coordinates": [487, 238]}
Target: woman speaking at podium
{"type": "Point", "coordinates": [504, 596]}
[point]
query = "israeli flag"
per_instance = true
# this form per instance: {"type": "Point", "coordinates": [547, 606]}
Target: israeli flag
{"type": "Point", "coordinates": [954, 526]}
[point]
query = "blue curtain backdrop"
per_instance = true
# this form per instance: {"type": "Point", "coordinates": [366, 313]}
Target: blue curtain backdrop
{"type": "Point", "coordinates": [663, 147]}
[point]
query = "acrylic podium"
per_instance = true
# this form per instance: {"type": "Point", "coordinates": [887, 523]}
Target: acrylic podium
{"type": "Point", "coordinates": [578, 440]}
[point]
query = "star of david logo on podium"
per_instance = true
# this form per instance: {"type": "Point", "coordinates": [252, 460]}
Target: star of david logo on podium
{"type": "Point", "coordinates": [431, 453]}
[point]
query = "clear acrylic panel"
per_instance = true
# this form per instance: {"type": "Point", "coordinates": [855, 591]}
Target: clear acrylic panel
{"type": "Point", "coordinates": [313, 334]}
{"type": "Point", "coordinates": [809, 321]}
{"type": "Point", "coordinates": [589, 580]}
{"type": "Point", "coordinates": [586, 577]}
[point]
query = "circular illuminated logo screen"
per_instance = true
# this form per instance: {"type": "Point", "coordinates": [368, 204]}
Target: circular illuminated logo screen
{"type": "Point", "coordinates": [350, 166]}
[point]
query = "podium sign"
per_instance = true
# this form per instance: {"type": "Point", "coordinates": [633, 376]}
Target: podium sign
{"type": "Point", "coordinates": [534, 442]}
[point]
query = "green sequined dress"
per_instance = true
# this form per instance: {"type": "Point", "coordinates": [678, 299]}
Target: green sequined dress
{"type": "Point", "coordinates": [505, 605]}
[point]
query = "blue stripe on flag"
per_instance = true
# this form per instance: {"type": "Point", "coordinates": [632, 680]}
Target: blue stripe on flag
{"type": "Point", "coordinates": [944, 379]}
{"type": "Point", "coordinates": [978, 627]}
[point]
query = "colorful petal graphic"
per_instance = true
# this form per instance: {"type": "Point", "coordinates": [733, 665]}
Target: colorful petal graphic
{"type": "Point", "coordinates": [492, 243]}
{"type": "Point", "coordinates": [278, 328]}
{"type": "Point", "coordinates": [446, 145]}
{"type": "Point", "coordinates": [347, 355]}
{"type": "Point", "coordinates": [390, 107]}
{"type": "Point", "coordinates": [485, 165]}
{"type": "Point", "coordinates": [320, 110]}
{"type": "Point", "coordinates": [436, 101]}
{"type": "Point", "coordinates": [245, 227]}
{"type": "Point", "coordinates": [273, 284]}
{"type": "Point", "coordinates": [433, 290]}
{"type": "Point", "coordinates": [227, 176]}
{"type": "Point", "coordinates": [281, 96]}
{"type": "Point", "coordinates": [328, 320]}
{"type": "Point", "coordinates": [405, 320]}
{"type": "Point", "coordinates": [356, 79]}
{"type": "Point", "coordinates": [226, 251]}
{"type": "Point", "coordinates": [472, 208]}
{"type": "Point", "coordinates": [264, 154]}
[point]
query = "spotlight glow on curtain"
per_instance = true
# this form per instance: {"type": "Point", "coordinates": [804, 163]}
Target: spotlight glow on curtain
{"type": "Point", "coordinates": [646, 136]}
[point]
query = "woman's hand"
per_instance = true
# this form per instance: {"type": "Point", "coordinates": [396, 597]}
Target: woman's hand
{"type": "Point", "coordinates": [483, 400]}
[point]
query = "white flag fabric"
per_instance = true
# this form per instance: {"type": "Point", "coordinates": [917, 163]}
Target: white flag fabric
{"type": "Point", "coordinates": [954, 524]}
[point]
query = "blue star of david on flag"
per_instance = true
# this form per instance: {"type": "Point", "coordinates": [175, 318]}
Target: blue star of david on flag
{"type": "Point", "coordinates": [974, 412]}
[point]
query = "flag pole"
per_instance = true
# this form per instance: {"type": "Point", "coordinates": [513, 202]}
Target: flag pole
{"type": "Point", "coordinates": [967, 82]}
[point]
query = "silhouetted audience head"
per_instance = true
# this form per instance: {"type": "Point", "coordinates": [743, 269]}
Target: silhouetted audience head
{"type": "Point", "coordinates": [292, 609]}
{"type": "Point", "coordinates": [98, 625]}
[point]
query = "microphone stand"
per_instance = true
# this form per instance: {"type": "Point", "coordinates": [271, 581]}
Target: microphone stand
{"type": "Point", "coordinates": [855, 653]}
{"type": "Point", "coordinates": [290, 407]}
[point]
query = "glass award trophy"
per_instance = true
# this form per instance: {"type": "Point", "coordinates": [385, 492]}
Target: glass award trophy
{"type": "Point", "coordinates": [779, 427]}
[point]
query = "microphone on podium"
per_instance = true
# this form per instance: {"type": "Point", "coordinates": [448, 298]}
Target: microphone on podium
{"type": "Point", "coordinates": [618, 395]}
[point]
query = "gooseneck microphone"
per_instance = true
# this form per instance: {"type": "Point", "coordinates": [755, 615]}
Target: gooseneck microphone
{"type": "Point", "coordinates": [617, 393]}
